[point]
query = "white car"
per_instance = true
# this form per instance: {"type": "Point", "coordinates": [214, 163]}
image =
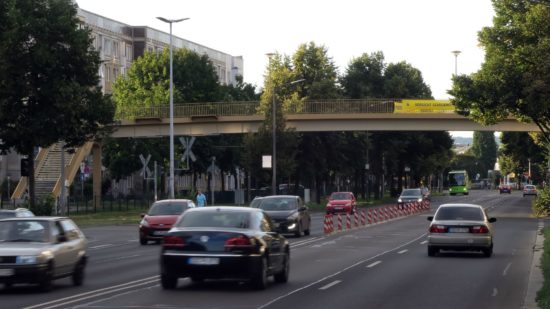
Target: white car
{"type": "Point", "coordinates": [460, 227]}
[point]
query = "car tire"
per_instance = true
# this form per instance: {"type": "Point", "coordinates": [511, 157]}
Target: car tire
{"type": "Point", "coordinates": [78, 274]}
{"type": "Point", "coordinates": [46, 284]}
{"type": "Point", "coordinates": [282, 276]}
{"type": "Point", "coordinates": [432, 251]}
{"type": "Point", "coordinates": [168, 282]}
{"type": "Point", "coordinates": [298, 232]}
{"type": "Point", "coordinates": [143, 241]}
{"type": "Point", "coordinates": [452, 194]}
{"type": "Point", "coordinates": [488, 252]}
{"type": "Point", "coordinates": [259, 279]}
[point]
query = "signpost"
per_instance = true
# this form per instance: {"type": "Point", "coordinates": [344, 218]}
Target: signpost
{"type": "Point", "coordinates": [187, 143]}
{"type": "Point", "coordinates": [146, 172]}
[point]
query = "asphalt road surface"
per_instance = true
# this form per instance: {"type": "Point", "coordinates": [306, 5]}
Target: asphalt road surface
{"type": "Point", "coordinates": [379, 266]}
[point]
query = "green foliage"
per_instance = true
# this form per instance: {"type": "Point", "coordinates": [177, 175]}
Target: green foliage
{"type": "Point", "coordinates": [44, 207]}
{"type": "Point", "coordinates": [364, 77]}
{"type": "Point", "coordinates": [516, 150]}
{"type": "Point", "coordinates": [515, 77]}
{"type": "Point", "coordinates": [484, 149]}
{"type": "Point", "coordinates": [541, 205]}
{"type": "Point", "coordinates": [543, 295]}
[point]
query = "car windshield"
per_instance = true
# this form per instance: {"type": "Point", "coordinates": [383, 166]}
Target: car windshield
{"type": "Point", "coordinates": [255, 202]}
{"type": "Point", "coordinates": [24, 231]}
{"type": "Point", "coordinates": [411, 192]}
{"type": "Point", "coordinates": [529, 187]}
{"type": "Point", "coordinates": [340, 196]}
{"type": "Point", "coordinates": [278, 204]}
{"type": "Point", "coordinates": [167, 208]}
{"type": "Point", "coordinates": [459, 213]}
{"type": "Point", "coordinates": [225, 219]}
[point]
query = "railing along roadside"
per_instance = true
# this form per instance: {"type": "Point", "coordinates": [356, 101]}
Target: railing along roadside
{"type": "Point", "coordinates": [250, 108]}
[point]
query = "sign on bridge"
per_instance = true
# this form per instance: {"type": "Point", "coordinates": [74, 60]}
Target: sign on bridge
{"type": "Point", "coordinates": [424, 106]}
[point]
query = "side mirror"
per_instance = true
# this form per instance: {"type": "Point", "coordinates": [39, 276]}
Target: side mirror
{"type": "Point", "coordinates": [142, 215]}
{"type": "Point", "coordinates": [303, 208]}
{"type": "Point", "coordinates": [61, 238]}
{"type": "Point", "coordinates": [430, 218]}
{"type": "Point", "coordinates": [492, 220]}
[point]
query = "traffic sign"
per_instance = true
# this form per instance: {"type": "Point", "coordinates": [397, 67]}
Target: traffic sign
{"type": "Point", "coordinates": [145, 171]}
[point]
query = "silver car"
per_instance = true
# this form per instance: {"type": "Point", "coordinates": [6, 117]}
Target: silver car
{"type": "Point", "coordinates": [460, 227]}
{"type": "Point", "coordinates": [38, 250]}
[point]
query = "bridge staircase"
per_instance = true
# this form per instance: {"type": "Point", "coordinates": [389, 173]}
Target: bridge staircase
{"type": "Point", "coordinates": [47, 170]}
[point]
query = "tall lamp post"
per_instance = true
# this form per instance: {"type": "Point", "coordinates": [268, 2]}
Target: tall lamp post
{"type": "Point", "coordinates": [274, 133]}
{"type": "Point", "coordinates": [171, 21]}
{"type": "Point", "coordinates": [456, 53]}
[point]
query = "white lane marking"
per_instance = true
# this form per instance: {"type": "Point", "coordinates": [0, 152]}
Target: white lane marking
{"type": "Point", "coordinates": [108, 289]}
{"type": "Point", "coordinates": [506, 269]}
{"type": "Point", "coordinates": [101, 246]}
{"type": "Point", "coordinates": [331, 242]}
{"type": "Point", "coordinates": [495, 292]}
{"type": "Point", "coordinates": [402, 251]}
{"type": "Point", "coordinates": [333, 283]}
{"type": "Point", "coordinates": [339, 272]}
{"type": "Point", "coordinates": [424, 242]}
{"type": "Point", "coordinates": [374, 264]}
{"type": "Point", "coordinates": [305, 242]}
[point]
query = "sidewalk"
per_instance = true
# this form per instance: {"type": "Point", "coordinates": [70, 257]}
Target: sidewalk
{"type": "Point", "coordinates": [536, 278]}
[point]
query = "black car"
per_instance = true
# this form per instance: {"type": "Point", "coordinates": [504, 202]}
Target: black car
{"type": "Point", "coordinates": [288, 212]}
{"type": "Point", "coordinates": [410, 196]}
{"type": "Point", "coordinates": [224, 242]}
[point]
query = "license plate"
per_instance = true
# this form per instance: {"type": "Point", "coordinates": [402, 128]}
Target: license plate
{"type": "Point", "coordinates": [459, 230]}
{"type": "Point", "coordinates": [6, 272]}
{"type": "Point", "coordinates": [204, 261]}
{"type": "Point", "coordinates": [338, 208]}
{"type": "Point", "coordinates": [160, 233]}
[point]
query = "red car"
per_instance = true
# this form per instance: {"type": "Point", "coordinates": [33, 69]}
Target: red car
{"type": "Point", "coordinates": [505, 188]}
{"type": "Point", "coordinates": [341, 202]}
{"type": "Point", "coordinates": [160, 218]}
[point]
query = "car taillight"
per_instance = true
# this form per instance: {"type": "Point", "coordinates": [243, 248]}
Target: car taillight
{"type": "Point", "coordinates": [238, 242]}
{"type": "Point", "coordinates": [173, 242]}
{"type": "Point", "coordinates": [438, 229]}
{"type": "Point", "coordinates": [479, 229]}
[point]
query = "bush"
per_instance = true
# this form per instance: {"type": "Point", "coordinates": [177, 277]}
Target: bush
{"type": "Point", "coordinates": [541, 205]}
{"type": "Point", "coordinates": [45, 206]}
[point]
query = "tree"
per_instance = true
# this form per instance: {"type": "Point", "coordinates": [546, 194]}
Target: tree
{"type": "Point", "coordinates": [484, 149]}
{"type": "Point", "coordinates": [402, 80]}
{"type": "Point", "coordinates": [515, 77]}
{"type": "Point", "coordinates": [49, 84]}
{"type": "Point", "coordinates": [364, 77]}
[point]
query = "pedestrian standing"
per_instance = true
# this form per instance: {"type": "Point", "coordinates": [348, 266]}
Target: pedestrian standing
{"type": "Point", "coordinates": [201, 199]}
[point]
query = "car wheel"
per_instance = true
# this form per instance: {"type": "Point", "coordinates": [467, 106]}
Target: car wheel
{"type": "Point", "coordinates": [282, 277]}
{"type": "Point", "coordinates": [45, 284]}
{"type": "Point", "coordinates": [143, 241]}
{"type": "Point", "coordinates": [298, 232]}
{"type": "Point", "coordinates": [259, 279]}
{"type": "Point", "coordinates": [432, 251]}
{"type": "Point", "coordinates": [78, 274]}
{"type": "Point", "coordinates": [488, 252]}
{"type": "Point", "coordinates": [453, 194]}
{"type": "Point", "coordinates": [168, 282]}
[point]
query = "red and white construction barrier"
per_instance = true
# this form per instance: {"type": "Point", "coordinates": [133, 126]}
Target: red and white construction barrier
{"type": "Point", "coordinates": [363, 217]}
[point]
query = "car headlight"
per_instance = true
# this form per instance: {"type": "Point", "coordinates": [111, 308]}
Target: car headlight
{"type": "Point", "coordinates": [399, 200]}
{"type": "Point", "coordinates": [144, 223]}
{"type": "Point", "coordinates": [348, 205]}
{"type": "Point", "coordinates": [26, 259]}
{"type": "Point", "coordinates": [291, 226]}
{"type": "Point", "coordinates": [419, 199]}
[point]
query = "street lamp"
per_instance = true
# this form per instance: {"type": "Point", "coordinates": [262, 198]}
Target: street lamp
{"type": "Point", "coordinates": [456, 53]}
{"type": "Point", "coordinates": [171, 21]}
{"type": "Point", "coordinates": [274, 133]}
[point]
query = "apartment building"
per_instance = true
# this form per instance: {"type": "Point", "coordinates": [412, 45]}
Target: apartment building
{"type": "Point", "coordinates": [119, 44]}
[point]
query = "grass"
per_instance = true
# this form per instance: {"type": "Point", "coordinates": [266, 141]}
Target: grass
{"type": "Point", "coordinates": [543, 296]}
{"type": "Point", "coordinates": [131, 216]}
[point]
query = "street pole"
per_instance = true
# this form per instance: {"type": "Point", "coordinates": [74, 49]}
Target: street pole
{"type": "Point", "coordinates": [171, 178]}
{"type": "Point", "coordinates": [456, 53]}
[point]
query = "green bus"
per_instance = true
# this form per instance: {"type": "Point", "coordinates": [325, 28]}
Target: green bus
{"type": "Point", "coordinates": [458, 182]}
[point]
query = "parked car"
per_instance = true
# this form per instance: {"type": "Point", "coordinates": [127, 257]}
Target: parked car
{"type": "Point", "coordinates": [505, 188]}
{"type": "Point", "coordinates": [160, 218]}
{"type": "Point", "coordinates": [223, 242]}
{"type": "Point", "coordinates": [460, 227]}
{"type": "Point", "coordinates": [256, 202]}
{"type": "Point", "coordinates": [529, 190]}
{"type": "Point", "coordinates": [15, 213]}
{"type": "Point", "coordinates": [38, 250]}
{"type": "Point", "coordinates": [410, 195]}
{"type": "Point", "coordinates": [341, 202]}
{"type": "Point", "coordinates": [288, 213]}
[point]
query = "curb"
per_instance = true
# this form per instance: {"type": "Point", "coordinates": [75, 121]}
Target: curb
{"type": "Point", "coordinates": [536, 278]}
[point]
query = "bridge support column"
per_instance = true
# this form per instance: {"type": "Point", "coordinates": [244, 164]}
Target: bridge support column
{"type": "Point", "coordinates": [96, 177]}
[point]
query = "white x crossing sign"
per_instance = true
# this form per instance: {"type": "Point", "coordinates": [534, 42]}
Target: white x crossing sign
{"type": "Point", "coordinates": [187, 143]}
{"type": "Point", "coordinates": [145, 171]}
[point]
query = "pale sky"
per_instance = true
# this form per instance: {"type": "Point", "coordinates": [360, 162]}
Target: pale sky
{"type": "Point", "coordinates": [420, 32]}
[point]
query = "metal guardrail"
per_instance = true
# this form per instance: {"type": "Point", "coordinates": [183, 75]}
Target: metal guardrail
{"type": "Point", "coordinates": [250, 108]}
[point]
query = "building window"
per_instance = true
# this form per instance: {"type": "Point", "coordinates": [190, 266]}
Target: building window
{"type": "Point", "coordinates": [108, 47]}
{"type": "Point", "coordinates": [115, 49]}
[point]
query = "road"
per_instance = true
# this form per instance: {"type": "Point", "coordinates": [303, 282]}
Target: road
{"type": "Point", "coordinates": [380, 266]}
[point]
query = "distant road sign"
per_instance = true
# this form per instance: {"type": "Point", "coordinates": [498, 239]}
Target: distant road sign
{"type": "Point", "coordinates": [145, 171]}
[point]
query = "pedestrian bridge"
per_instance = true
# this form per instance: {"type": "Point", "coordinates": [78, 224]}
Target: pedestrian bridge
{"type": "Point", "coordinates": [196, 119]}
